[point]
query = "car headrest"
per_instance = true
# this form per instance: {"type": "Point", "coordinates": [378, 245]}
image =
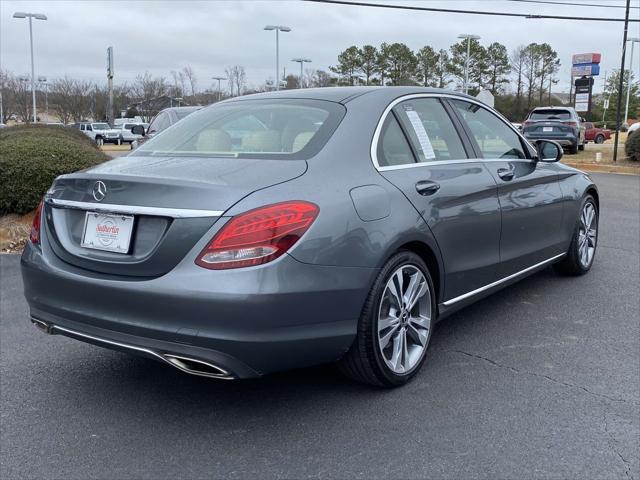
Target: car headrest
{"type": "Point", "coordinates": [265, 141]}
{"type": "Point", "coordinates": [213, 141]}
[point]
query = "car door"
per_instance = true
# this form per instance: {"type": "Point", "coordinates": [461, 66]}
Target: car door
{"type": "Point", "coordinates": [529, 191]}
{"type": "Point", "coordinates": [421, 152]}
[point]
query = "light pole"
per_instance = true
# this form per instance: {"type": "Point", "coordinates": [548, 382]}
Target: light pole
{"type": "Point", "coordinates": [301, 61]}
{"type": "Point", "coordinates": [43, 81]}
{"type": "Point", "coordinates": [219, 79]}
{"type": "Point", "coordinates": [278, 29]}
{"type": "Point", "coordinates": [468, 37]}
{"type": "Point", "coordinates": [626, 108]}
{"type": "Point", "coordinates": [30, 16]}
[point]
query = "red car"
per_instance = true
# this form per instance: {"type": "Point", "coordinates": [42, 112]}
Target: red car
{"type": "Point", "coordinates": [595, 134]}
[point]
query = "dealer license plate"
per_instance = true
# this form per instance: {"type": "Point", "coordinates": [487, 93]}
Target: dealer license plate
{"type": "Point", "coordinates": [547, 129]}
{"type": "Point", "coordinates": [107, 232]}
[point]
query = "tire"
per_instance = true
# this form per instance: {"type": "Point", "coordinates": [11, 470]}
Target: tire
{"type": "Point", "coordinates": [99, 141]}
{"type": "Point", "coordinates": [599, 139]}
{"type": "Point", "coordinates": [119, 142]}
{"type": "Point", "coordinates": [573, 149]}
{"type": "Point", "coordinates": [368, 361]}
{"type": "Point", "coordinates": [574, 262]}
{"type": "Point", "coordinates": [581, 147]}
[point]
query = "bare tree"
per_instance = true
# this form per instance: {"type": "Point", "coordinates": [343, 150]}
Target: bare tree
{"type": "Point", "coordinates": [9, 89]}
{"type": "Point", "coordinates": [237, 79]}
{"type": "Point", "coordinates": [178, 83]}
{"type": "Point", "coordinates": [191, 78]}
{"type": "Point", "coordinates": [149, 94]}
{"type": "Point", "coordinates": [72, 99]}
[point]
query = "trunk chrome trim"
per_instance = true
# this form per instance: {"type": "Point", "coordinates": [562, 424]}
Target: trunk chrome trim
{"type": "Point", "coordinates": [51, 328]}
{"type": "Point", "coordinates": [133, 209]}
{"type": "Point", "coordinates": [464, 296]}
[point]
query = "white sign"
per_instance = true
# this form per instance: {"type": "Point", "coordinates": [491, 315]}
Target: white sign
{"type": "Point", "coordinates": [606, 103]}
{"type": "Point", "coordinates": [486, 97]}
{"type": "Point", "coordinates": [582, 106]}
{"type": "Point", "coordinates": [582, 97]}
{"type": "Point", "coordinates": [422, 135]}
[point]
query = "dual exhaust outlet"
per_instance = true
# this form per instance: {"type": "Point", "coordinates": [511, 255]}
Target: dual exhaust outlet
{"type": "Point", "coordinates": [192, 366]}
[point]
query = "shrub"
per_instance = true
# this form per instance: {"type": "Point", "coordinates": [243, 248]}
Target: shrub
{"type": "Point", "coordinates": [32, 156]}
{"type": "Point", "coordinates": [632, 146]}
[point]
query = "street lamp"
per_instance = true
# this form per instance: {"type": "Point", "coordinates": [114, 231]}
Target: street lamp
{"type": "Point", "coordinates": [278, 29]}
{"type": "Point", "coordinates": [626, 109]}
{"type": "Point", "coordinates": [43, 82]}
{"type": "Point", "coordinates": [468, 37]}
{"type": "Point", "coordinates": [30, 16]}
{"type": "Point", "coordinates": [219, 79]}
{"type": "Point", "coordinates": [301, 61]}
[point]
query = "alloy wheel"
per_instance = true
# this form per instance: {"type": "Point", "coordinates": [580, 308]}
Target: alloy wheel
{"type": "Point", "coordinates": [404, 319]}
{"type": "Point", "coordinates": [587, 234]}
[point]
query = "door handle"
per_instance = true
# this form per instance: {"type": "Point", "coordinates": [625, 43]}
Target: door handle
{"type": "Point", "coordinates": [427, 187]}
{"type": "Point", "coordinates": [507, 174]}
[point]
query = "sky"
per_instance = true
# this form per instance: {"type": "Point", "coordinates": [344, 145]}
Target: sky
{"type": "Point", "coordinates": [160, 36]}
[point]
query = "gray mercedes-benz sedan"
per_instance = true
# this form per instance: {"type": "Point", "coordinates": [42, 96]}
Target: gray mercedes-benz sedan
{"type": "Point", "coordinates": [295, 228]}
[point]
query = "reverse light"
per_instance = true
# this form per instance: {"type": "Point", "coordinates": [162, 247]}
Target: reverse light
{"type": "Point", "coordinates": [34, 236]}
{"type": "Point", "coordinates": [258, 236]}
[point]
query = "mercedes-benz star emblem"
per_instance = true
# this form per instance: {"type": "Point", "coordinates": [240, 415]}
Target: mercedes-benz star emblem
{"type": "Point", "coordinates": [99, 191]}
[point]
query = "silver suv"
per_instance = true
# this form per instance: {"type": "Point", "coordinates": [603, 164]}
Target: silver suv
{"type": "Point", "coordinates": [561, 124]}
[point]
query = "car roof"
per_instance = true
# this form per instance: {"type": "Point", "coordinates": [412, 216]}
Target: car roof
{"type": "Point", "coordinates": [345, 94]}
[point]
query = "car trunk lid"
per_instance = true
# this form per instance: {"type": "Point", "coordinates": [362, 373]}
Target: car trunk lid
{"type": "Point", "coordinates": [173, 202]}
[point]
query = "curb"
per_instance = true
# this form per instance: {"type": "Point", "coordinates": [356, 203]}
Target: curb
{"type": "Point", "coordinates": [590, 167]}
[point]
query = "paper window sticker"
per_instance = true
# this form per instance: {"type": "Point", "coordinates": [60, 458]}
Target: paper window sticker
{"type": "Point", "coordinates": [421, 133]}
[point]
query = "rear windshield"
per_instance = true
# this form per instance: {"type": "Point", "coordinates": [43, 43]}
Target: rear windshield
{"type": "Point", "coordinates": [274, 129]}
{"type": "Point", "coordinates": [550, 114]}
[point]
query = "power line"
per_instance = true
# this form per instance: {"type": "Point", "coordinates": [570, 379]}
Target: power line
{"type": "Point", "coordinates": [549, 2]}
{"type": "Point", "coordinates": [470, 12]}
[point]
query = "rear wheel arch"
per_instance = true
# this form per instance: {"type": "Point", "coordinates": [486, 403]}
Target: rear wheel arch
{"type": "Point", "coordinates": [429, 257]}
{"type": "Point", "coordinates": [594, 193]}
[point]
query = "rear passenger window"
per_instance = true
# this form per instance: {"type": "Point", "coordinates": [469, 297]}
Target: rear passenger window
{"type": "Point", "coordinates": [393, 148]}
{"type": "Point", "coordinates": [494, 137]}
{"type": "Point", "coordinates": [430, 130]}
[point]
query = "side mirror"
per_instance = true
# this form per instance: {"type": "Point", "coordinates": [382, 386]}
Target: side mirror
{"type": "Point", "coordinates": [582, 119]}
{"type": "Point", "coordinates": [548, 151]}
{"type": "Point", "coordinates": [138, 130]}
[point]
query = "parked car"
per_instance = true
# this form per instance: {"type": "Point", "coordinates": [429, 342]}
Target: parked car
{"type": "Point", "coordinates": [293, 228]}
{"type": "Point", "coordinates": [633, 128]}
{"type": "Point", "coordinates": [561, 124]}
{"type": "Point", "coordinates": [126, 135]}
{"type": "Point", "coordinates": [595, 134]}
{"type": "Point", "coordinates": [162, 121]}
{"type": "Point", "coordinates": [100, 132]}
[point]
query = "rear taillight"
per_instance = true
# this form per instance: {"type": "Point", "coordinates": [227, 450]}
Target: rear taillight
{"type": "Point", "coordinates": [258, 236]}
{"type": "Point", "coordinates": [572, 124]}
{"type": "Point", "coordinates": [34, 236]}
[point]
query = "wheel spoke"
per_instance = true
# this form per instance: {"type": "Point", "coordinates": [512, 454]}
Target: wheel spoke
{"type": "Point", "coordinates": [420, 321]}
{"type": "Point", "coordinates": [419, 336]}
{"type": "Point", "coordinates": [395, 287]}
{"type": "Point", "coordinates": [405, 350]}
{"type": "Point", "coordinates": [396, 355]}
{"type": "Point", "coordinates": [416, 289]}
{"type": "Point", "coordinates": [387, 322]}
{"type": "Point", "coordinates": [384, 340]}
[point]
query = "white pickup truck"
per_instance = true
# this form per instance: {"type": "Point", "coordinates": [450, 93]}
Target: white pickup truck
{"type": "Point", "coordinates": [100, 132]}
{"type": "Point", "coordinates": [126, 135]}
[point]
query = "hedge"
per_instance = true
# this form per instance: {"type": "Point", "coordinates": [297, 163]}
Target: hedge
{"type": "Point", "coordinates": [632, 146]}
{"type": "Point", "coordinates": [32, 156]}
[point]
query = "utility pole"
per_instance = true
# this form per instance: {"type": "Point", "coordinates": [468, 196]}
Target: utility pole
{"type": "Point", "coordinates": [31, 16]}
{"type": "Point", "coordinates": [43, 82]}
{"type": "Point", "coordinates": [468, 37]}
{"type": "Point", "coordinates": [605, 99]}
{"type": "Point", "coordinates": [219, 79]}
{"type": "Point", "coordinates": [278, 29]}
{"type": "Point", "coordinates": [110, 85]}
{"type": "Point", "coordinates": [621, 82]}
{"type": "Point", "coordinates": [626, 109]}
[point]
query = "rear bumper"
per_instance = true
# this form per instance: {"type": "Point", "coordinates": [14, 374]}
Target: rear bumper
{"type": "Point", "coordinates": [567, 140]}
{"type": "Point", "coordinates": [247, 322]}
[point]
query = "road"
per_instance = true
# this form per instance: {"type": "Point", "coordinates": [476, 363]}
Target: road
{"type": "Point", "coordinates": [541, 380]}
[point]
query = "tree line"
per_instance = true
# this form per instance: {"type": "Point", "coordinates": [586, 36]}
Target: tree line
{"type": "Point", "coordinates": [528, 72]}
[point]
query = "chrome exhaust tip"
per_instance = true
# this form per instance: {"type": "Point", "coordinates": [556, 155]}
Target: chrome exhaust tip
{"type": "Point", "coordinates": [197, 367]}
{"type": "Point", "coordinates": [43, 326]}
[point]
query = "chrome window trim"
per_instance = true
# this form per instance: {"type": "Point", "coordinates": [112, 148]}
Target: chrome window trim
{"type": "Point", "coordinates": [464, 296]}
{"type": "Point", "coordinates": [378, 131]}
{"type": "Point", "coordinates": [133, 209]}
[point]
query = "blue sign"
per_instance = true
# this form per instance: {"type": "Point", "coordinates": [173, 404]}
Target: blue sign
{"type": "Point", "coordinates": [586, 70]}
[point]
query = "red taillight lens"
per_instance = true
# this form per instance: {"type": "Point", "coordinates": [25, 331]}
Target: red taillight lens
{"type": "Point", "coordinates": [573, 124]}
{"type": "Point", "coordinates": [34, 236]}
{"type": "Point", "coordinates": [258, 236]}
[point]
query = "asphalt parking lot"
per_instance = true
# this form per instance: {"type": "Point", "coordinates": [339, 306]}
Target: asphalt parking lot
{"type": "Point", "coordinates": [541, 380]}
